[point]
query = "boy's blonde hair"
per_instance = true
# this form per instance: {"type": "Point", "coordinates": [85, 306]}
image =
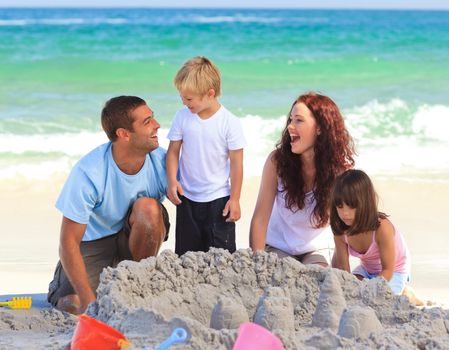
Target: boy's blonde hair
{"type": "Point", "coordinates": [198, 75]}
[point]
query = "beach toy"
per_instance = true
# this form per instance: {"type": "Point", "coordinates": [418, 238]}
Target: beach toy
{"type": "Point", "coordinates": [93, 334]}
{"type": "Point", "coordinates": [179, 335]}
{"type": "Point", "coordinates": [18, 303]}
{"type": "Point", "coordinates": [254, 337]}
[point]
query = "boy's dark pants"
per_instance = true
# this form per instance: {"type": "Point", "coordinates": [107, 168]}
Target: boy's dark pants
{"type": "Point", "coordinates": [200, 226]}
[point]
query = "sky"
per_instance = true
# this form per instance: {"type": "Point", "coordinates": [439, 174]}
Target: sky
{"type": "Point", "coordinates": [341, 4]}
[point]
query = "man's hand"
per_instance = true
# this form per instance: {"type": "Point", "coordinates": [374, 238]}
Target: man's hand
{"type": "Point", "coordinates": [172, 192]}
{"type": "Point", "coordinates": [71, 303]}
{"type": "Point", "coordinates": [232, 208]}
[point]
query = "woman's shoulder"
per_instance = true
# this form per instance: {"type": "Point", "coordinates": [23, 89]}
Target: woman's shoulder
{"type": "Point", "coordinates": [271, 159]}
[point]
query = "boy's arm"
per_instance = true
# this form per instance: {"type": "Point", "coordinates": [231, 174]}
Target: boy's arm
{"type": "Point", "coordinates": [341, 256]}
{"type": "Point", "coordinates": [264, 206]}
{"type": "Point", "coordinates": [385, 242]}
{"type": "Point", "coordinates": [232, 207]}
{"type": "Point", "coordinates": [173, 186]}
{"type": "Point", "coordinates": [72, 261]}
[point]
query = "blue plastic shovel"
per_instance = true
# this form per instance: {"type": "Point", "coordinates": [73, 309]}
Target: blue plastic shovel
{"type": "Point", "coordinates": [179, 335]}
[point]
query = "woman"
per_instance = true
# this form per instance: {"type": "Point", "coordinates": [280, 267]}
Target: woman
{"type": "Point", "coordinates": [291, 217]}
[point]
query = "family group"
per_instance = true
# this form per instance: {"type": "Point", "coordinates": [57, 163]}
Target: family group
{"type": "Point", "coordinates": [312, 205]}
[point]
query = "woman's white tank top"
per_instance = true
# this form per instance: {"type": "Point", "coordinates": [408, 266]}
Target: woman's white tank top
{"type": "Point", "coordinates": [292, 231]}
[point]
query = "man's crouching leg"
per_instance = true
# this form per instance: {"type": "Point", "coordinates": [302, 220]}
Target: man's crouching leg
{"type": "Point", "coordinates": [149, 226]}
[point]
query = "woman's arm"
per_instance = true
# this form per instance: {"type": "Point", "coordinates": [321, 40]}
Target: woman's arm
{"type": "Point", "coordinates": [386, 243]}
{"type": "Point", "coordinates": [264, 205]}
{"type": "Point", "coordinates": [341, 256]}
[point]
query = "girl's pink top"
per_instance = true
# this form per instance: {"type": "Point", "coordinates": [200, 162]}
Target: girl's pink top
{"type": "Point", "coordinates": [371, 259]}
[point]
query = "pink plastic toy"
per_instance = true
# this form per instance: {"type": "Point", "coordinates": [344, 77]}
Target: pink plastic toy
{"type": "Point", "coordinates": [254, 337]}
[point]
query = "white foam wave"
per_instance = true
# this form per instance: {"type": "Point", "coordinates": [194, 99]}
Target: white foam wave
{"type": "Point", "coordinates": [376, 120]}
{"type": "Point", "coordinates": [61, 21]}
{"type": "Point", "coordinates": [234, 19]}
{"type": "Point", "coordinates": [68, 144]}
{"type": "Point", "coordinates": [13, 22]}
{"type": "Point", "coordinates": [432, 122]}
{"type": "Point", "coordinates": [426, 149]}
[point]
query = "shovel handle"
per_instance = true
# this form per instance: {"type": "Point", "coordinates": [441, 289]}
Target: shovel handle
{"type": "Point", "coordinates": [178, 335]}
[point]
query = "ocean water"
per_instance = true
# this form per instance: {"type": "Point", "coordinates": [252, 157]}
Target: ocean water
{"type": "Point", "coordinates": [387, 70]}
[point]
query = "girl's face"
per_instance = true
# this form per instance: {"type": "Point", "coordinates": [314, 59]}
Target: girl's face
{"type": "Point", "coordinates": [303, 129]}
{"type": "Point", "coordinates": [346, 213]}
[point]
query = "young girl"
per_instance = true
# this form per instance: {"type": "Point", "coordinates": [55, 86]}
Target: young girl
{"type": "Point", "coordinates": [362, 231]}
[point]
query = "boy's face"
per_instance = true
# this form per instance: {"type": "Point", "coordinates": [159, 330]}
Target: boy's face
{"type": "Point", "coordinates": [198, 104]}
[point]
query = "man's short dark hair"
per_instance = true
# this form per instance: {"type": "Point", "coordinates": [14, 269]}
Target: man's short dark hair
{"type": "Point", "coordinates": [117, 114]}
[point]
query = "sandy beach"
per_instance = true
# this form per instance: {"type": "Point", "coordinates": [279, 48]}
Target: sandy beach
{"type": "Point", "coordinates": [29, 250]}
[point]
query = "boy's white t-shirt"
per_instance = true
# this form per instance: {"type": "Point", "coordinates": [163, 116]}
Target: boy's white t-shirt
{"type": "Point", "coordinates": [204, 165]}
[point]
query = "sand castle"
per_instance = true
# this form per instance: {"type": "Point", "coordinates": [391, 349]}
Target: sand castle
{"type": "Point", "coordinates": [211, 293]}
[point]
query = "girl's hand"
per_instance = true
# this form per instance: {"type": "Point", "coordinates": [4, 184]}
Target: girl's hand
{"type": "Point", "coordinates": [172, 192]}
{"type": "Point", "coordinates": [232, 208]}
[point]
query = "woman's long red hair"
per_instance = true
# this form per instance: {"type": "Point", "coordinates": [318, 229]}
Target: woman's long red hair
{"type": "Point", "coordinates": [334, 150]}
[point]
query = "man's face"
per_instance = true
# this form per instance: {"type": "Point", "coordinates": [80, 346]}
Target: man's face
{"type": "Point", "coordinates": [144, 134]}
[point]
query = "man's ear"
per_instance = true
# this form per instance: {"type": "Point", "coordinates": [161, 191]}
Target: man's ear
{"type": "Point", "coordinates": [122, 134]}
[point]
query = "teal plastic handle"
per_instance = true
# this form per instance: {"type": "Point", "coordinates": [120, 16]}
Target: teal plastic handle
{"type": "Point", "coordinates": [178, 335]}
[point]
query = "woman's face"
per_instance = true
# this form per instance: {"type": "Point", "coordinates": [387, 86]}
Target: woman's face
{"type": "Point", "coordinates": [303, 130]}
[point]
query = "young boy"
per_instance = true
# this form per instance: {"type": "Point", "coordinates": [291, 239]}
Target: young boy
{"type": "Point", "coordinates": [207, 192]}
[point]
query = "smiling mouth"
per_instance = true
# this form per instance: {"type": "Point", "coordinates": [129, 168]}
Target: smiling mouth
{"type": "Point", "coordinates": [294, 138]}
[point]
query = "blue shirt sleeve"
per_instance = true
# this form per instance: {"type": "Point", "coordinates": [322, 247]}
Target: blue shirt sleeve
{"type": "Point", "coordinates": [157, 158]}
{"type": "Point", "coordinates": [78, 197]}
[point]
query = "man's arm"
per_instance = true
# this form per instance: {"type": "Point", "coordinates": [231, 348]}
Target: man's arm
{"type": "Point", "coordinates": [264, 206]}
{"type": "Point", "coordinates": [72, 261]}
{"type": "Point", "coordinates": [173, 186]}
{"type": "Point", "coordinates": [232, 207]}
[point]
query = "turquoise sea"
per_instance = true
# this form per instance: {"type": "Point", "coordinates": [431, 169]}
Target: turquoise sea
{"type": "Point", "coordinates": [387, 70]}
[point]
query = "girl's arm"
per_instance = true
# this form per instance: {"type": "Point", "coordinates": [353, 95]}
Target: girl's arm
{"type": "Point", "coordinates": [173, 186]}
{"type": "Point", "coordinates": [264, 205]}
{"type": "Point", "coordinates": [232, 207]}
{"type": "Point", "coordinates": [386, 243]}
{"type": "Point", "coordinates": [341, 256]}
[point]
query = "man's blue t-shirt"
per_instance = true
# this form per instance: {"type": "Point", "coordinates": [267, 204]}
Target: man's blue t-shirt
{"type": "Point", "coordinates": [99, 194]}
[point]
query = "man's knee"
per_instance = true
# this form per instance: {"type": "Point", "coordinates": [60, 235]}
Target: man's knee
{"type": "Point", "coordinates": [148, 211]}
{"type": "Point", "coordinates": [146, 208]}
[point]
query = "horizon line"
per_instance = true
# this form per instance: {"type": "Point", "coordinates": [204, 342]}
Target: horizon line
{"type": "Point", "coordinates": [226, 8]}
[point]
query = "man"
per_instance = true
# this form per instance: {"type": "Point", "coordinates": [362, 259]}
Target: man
{"type": "Point", "coordinates": [111, 204]}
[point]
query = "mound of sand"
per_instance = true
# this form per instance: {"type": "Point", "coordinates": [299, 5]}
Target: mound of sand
{"type": "Point", "coordinates": [211, 293]}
